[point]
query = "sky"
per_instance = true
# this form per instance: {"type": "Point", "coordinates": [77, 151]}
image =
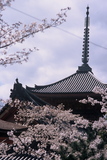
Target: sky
{"type": "Point", "coordinates": [60, 48]}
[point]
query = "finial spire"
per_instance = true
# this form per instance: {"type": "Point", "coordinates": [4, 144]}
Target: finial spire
{"type": "Point", "coordinates": [85, 53]}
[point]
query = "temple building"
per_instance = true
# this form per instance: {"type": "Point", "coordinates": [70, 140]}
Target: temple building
{"type": "Point", "coordinates": [69, 90]}
{"type": "Point", "coordinates": [6, 126]}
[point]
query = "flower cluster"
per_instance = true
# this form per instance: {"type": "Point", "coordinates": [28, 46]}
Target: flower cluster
{"type": "Point", "coordinates": [55, 133]}
{"type": "Point", "coordinates": [49, 128]}
{"type": "Point", "coordinates": [18, 32]}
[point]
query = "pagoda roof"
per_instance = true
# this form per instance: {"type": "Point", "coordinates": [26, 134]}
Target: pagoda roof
{"type": "Point", "coordinates": [18, 157]}
{"type": "Point", "coordinates": [76, 83]}
{"type": "Point", "coordinates": [21, 93]}
{"type": "Point", "coordinates": [83, 81]}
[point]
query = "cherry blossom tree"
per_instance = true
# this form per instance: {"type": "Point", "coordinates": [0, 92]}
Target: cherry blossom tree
{"type": "Point", "coordinates": [49, 128]}
{"type": "Point", "coordinates": [18, 32]}
{"type": "Point", "coordinates": [94, 145]}
{"type": "Point", "coordinates": [55, 133]}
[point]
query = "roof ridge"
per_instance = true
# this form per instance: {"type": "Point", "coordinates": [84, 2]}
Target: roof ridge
{"type": "Point", "coordinates": [51, 84]}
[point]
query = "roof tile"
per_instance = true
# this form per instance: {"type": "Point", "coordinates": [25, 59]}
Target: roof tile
{"type": "Point", "coordinates": [76, 83]}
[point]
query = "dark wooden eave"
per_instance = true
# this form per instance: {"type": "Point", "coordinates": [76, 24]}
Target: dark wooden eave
{"type": "Point", "coordinates": [8, 126]}
{"type": "Point", "coordinates": [19, 92]}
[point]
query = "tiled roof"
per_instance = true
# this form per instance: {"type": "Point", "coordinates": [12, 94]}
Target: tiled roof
{"type": "Point", "coordinates": [82, 81]}
{"type": "Point", "coordinates": [18, 157]}
{"type": "Point", "coordinates": [76, 83]}
{"type": "Point", "coordinates": [18, 92]}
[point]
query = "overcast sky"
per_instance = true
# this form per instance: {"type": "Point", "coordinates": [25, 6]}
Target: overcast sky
{"type": "Point", "coordinates": [60, 49]}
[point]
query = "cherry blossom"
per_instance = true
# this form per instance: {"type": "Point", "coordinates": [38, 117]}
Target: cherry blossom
{"type": "Point", "coordinates": [18, 33]}
{"type": "Point", "coordinates": [56, 133]}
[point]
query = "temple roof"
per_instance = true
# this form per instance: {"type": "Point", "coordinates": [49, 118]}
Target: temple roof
{"type": "Point", "coordinates": [18, 157]}
{"type": "Point", "coordinates": [76, 83]}
{"type": "Point", "coordinates": [83, 81]}
{"type": "Point", "coordinates": [21, 93]}
{"type": "Point", "coordinates": [8, 126]}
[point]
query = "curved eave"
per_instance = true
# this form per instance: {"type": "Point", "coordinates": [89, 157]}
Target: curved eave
{"type": "Point", "coordinates": [76, 83]}
{"type": "Point", "coordinates": [44, 86]}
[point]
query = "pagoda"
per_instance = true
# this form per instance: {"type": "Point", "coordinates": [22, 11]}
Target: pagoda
{"type": "Point", "coordinates": [77, 86]}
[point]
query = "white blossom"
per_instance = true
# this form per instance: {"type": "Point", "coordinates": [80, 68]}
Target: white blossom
{"type": "Point", "coordinates": [18, 33]}
{"type": "Point", "coordinates": [50, 128]}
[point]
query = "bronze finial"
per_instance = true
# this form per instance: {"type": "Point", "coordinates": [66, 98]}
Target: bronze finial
{"type": "Point", "coordinates": [87, 13]}
{"type": "Point", "coordinates": [85, 53]}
